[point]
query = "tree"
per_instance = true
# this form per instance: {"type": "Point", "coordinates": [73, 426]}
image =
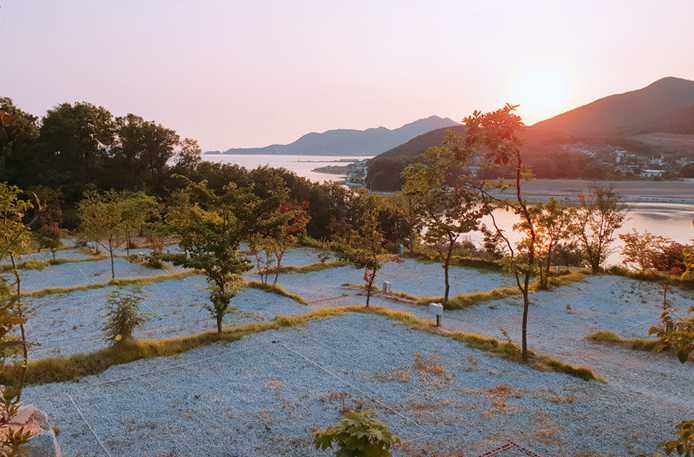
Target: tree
{"type": "Point", "coordinates": [18, 134]}
{"type": "Point", "coordinates": [74, 144]}
{"type": "Point", "coordinates": [210, 232]}
{"type": "Point", "coordinates": [647, 252]}
{"type": "Point", "coordinates": [123, 316]}
{"type": "Point", "coordinates": [358, 434]}
{"type": "Point", "coordinates": [364, 242]}
{"type": "Point", "coordinates": [595, 222]}
{"type": "Point", "coordinates": [15, 239]}
{"type": "Point", "coordinates": [138, 209]}
{"type": "Point", "coordinates": [448, 208]}
{"type": "Point", "coordinates": [142, 151]}
{"type": "Point", "coordinates": [553, 221]}
{"type": "Point", "coordinates": [48, 233]}
{"type": "Point", "coordinates": [497, 134]}
{"type": "Point", "coordinates": [103, 220]}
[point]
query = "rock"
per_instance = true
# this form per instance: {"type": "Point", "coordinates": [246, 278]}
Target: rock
{"type": "Point", "coordinates": [43, 445]}
{"type": "Point", "coordinates": [30, 414]}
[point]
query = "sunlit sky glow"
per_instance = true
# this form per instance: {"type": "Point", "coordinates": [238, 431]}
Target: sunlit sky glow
{"type": "Point", "coordinates": [251, 73]}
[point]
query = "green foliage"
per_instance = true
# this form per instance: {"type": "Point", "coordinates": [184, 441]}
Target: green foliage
{"type": "Point", "coordinates": [683, 444]}
{"type": "Point", "coordinates": [438, 187]}
{"type": "Point", "coordinates": [362, 238]}
{"type": "Point", "coordinates": [675, 335]}
{"type": "Point", "coordinates": [210, 231]}
{"type": "Point", "coordinates": [123, 316]}
{"type": "Point", "coordinates": [358, 434]}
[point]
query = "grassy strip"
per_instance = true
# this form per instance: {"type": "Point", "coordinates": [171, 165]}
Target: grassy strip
{"type": "Point", "coordinates": [639, 344]}
{"type": "Point", "coordinates": [63, 369]}
{"type": "Point", "coordinates": [310, 267]}
{"type": "Point", "coordinates": [275, 289]}
{"type": "Point", "coordinates": [140, 280]}
{"type": "Point", "coordinates": [41, 264]}
{"type": "Point", "coordinates": [458, 260]}
{"type": "Point", "coordinates": [462, 301]}
{"type": "Point", "coordinates": [652, 276]}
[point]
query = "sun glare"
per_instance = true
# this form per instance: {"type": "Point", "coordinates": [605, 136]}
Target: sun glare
{"type": "Point", "coordinates": [540, 93]}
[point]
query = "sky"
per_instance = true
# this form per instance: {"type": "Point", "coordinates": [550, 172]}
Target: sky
{"type": "Point", "coordinates": [235, 73]}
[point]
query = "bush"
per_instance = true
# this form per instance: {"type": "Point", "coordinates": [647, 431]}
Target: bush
{"type": "Point", "coordinates": [357, 434]}
{"type": "Point", "coordinates": [123, 317]}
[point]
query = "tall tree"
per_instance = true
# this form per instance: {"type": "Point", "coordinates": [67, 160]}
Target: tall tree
{"type": "Point", "coordinates": [437, 186]}
{"type": "Point", "coordinates": [496, 133]}
{"type": "Point", "coordinates": [75, 142]}
{"type": "Point", "coordinates": [599, 215]}
{"type": "Point", "coordinates": [18, 134]}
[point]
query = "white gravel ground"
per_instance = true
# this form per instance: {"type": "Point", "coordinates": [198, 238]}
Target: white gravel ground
{"type": "Point", "coordinates": [76, 274]}
{"type": "Point", "coordinates": [257, 398]}
{"type": "Point", "coordinates": [64, 324]}
{"type": "Point", "coordinates": [263, 395]}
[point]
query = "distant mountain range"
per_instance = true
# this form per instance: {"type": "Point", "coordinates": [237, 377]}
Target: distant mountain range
{"type": "Point", "coordinates": [657, 119]}
{"type": "Point", "coordinates": [371, 141]}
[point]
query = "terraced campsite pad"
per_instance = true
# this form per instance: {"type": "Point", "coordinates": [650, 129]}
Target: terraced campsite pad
{"type": "Point", "coordinates": [83, 273]}
{"type": "Point", "coordinates": [407, 275]}
{"type": "Point", "coordinates": [264, 394]}
{"type": "Point", "coordinates": [63, 324]}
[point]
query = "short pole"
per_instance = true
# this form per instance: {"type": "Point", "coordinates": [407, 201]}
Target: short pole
{"type": "Point", "coordinates": [438, 320]}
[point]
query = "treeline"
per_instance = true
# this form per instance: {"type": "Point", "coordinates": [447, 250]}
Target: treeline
{"type": "Point", "coordinates": [79, 147]}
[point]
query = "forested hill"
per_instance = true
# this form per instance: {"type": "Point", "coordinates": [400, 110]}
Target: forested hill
{"type": "Point", "coordinates": [662, 106]}
{"type": "Point", "coordinates": [351, 142]}
{"type": "Point", "coordinates": [657, 119]}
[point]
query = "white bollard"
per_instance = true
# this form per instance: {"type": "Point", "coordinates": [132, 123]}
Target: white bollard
{"type": "Point", "coordinates": [437, 310]}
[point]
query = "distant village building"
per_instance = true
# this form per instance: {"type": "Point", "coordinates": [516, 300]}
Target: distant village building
{"type": "Point", "coordinates": [652, 173]}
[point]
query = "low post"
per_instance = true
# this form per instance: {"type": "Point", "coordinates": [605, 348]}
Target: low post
{"type": "Point", "coordinates": [437, 310]}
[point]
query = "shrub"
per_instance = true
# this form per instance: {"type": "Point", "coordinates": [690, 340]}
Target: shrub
{"type": "Point", "coordinates": [683, 445]}
{"type": "Point", "coordinates": [123, 317]}
{"type": "Point", "coordinates": [358, 434]}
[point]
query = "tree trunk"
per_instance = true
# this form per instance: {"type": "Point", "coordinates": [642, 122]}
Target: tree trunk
{"type": "Point", "coordinates": [526, 306]}
{"type": "Point", "coordinates": [113, 268]}
{"type": "Point", "coordinates": [219, 319]}
{"type": "Point", "coordinates": [372, 278]}
{"type": "Point", "coordinates": [53, 254]}
{"type": "Point", "coordinates": [446, 265]}
{"type": "Point", "coordinates": [18, 287]}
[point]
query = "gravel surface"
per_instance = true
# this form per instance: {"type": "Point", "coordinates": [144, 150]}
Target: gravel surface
{"type": "Point", "coordinates": [622, 305]}
{"type": "Point", "coordinates": [64, 324]}
{"type": "Point", "coordinates": [46, 255]}
{"type": "Point", "coordinates": [76, 274]}
{"type": "Point", "coordinates": [263, 395]}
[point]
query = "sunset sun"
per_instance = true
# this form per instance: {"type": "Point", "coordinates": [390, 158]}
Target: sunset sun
{"type": "Point", "coordinates": [541, 93]}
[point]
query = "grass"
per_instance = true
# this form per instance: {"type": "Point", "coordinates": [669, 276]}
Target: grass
{"type": "Point", "coordinates": [639, 344]}
{"type": "Point", "coordinates": [457, 260]}
{"type": "Point", "coordinates": [465, 300]}
{"type": "Point", "coordinates": [64, 369]}
{"type": "Point", "coordinates": [652, 276]}
{"type": "Point", "coordinates": [275, 289]}
{"type": "Point", "coordinates": [41, 264]}
{"type": "Point", "coordinates": [310, 267]}
{"type": "Point", "coordinates": [139, 280]}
